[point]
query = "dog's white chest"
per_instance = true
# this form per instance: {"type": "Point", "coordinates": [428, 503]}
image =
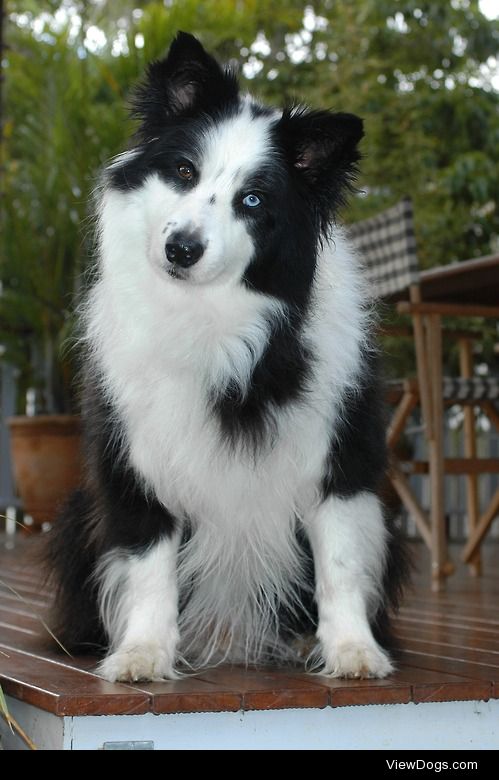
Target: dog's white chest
{"type": "Point", "coordinates": [177, 444]}
{"type": "Point", "coordinates": [162, 365]}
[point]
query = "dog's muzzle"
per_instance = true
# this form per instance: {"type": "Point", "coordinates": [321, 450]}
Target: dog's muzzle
{"type": "Point", "coordinates": [183, 250]}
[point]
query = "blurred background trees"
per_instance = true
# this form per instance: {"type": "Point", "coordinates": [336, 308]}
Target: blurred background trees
{"type": "Point", "coordinates": [420, 72]}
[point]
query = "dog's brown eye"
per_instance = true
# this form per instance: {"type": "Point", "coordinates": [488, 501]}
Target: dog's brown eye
{"type": "Point", "coordinates": [185, 171]}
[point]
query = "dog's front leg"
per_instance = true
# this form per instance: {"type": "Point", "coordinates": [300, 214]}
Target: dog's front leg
{"type": "Point", "coordinates": [138, 599]}
{"type": "Point", "coordinates": [348, 540]}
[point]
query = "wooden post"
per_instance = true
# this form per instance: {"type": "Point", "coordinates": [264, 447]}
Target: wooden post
{"type": "Point", "coordinates": [473, 543]}
{"type": "Point", "coordinates": [407, 403]}
{"type": "Point", "coordinates": [404, 491]}
{"type": "Point", "coordinates": [422, 363]}
{"type": "Point", "coordinates": [491, 412]}
{"type": "Point", "coordinates": [435, 451]}
{"type": "Point", "coordinates": [470, 451]}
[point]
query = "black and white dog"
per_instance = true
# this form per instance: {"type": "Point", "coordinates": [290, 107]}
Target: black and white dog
{"type": "Point", "coordinates": [234, 431]}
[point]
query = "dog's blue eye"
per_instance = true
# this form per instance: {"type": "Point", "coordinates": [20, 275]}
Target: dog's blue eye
{"type": "Point", "coordinates": [251, 201]}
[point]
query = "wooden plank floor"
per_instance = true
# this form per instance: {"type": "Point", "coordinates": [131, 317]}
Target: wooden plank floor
{"type": "Point", "coordinates": [450, 651]}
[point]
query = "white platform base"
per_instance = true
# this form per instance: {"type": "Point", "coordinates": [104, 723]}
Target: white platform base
{"type": "Point", "coordinates": [460, 725]}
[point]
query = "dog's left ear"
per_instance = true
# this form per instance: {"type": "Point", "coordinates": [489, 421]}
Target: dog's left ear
{"type": "Point", "coordinates": [186, 82]}
{"type": "Point", "coordinates": [322, 147]}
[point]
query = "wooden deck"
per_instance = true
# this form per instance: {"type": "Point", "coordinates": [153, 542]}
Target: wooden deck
{"type": "Point", "coordinates": [450, 652]}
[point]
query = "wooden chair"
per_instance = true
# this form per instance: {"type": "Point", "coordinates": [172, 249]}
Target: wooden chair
{"type": "Point", "coordinates": [387, 246]}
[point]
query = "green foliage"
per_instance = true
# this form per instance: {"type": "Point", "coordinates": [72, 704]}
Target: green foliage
{"type": "Point", "coordinates": [58, 130]}
{"type": "Point", "coordinates": [414, 69]}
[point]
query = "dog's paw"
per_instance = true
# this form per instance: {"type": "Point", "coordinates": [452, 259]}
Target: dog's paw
{"type": "Point", "coordinates": [357, 659]}
{"type": "Point", "coordinates": [131, 663]}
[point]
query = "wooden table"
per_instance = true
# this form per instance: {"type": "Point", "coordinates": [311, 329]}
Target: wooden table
{"type": "Point", "coordinates": [473, 281]}
{"type": "Point", "coordinates": [468, 288]}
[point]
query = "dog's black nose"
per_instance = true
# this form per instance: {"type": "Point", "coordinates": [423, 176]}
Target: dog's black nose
{"type": "Point", "coordinates": [183, 250]}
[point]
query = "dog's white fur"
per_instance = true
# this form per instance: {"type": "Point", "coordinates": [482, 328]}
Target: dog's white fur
{"type": "Point", "coordinates": [184, 341]}
{"type": "Point", "coordinates": [139, 594]}
{"type": "Point", "coordinates": [348, 540]}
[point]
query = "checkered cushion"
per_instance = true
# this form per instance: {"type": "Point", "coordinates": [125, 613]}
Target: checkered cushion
{"type": "Point", "coordinates": [454, 389]}
{"type": "Point", "coordinates": [387, 245]}
{"type": "Point", "coordinates": [480, 388]}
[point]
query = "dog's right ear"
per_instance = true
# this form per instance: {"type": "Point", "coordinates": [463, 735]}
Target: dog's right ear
{"type": "Point", "coordinates": [186, 82]}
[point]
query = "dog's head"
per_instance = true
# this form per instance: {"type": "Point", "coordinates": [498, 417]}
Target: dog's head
{"type": "Point", "coordinates": [231, 190]}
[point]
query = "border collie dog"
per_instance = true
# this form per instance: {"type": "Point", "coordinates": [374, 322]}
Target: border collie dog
{"type": "Point", "coordinates": [234, 431]}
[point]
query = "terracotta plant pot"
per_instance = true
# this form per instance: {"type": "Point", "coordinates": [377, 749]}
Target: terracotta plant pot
{"type": "Point", "coordinates": [46, 460]}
